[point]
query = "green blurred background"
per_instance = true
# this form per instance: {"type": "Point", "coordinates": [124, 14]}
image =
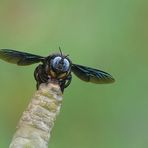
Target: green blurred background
{"type": "Point", "coordinates": [111, 35]}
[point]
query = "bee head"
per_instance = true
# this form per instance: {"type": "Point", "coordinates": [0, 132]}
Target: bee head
{"type": "Point", "coordinates": [60, 63]}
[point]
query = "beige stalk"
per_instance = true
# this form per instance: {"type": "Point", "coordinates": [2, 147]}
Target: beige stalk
{"type": "Point", "coordinates": [37, 121]}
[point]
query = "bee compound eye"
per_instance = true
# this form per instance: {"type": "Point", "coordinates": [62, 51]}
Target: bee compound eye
{"type": "Point", "coordinates": [56, 61]}
{"type": "Point", "coordinates": [66, 65]}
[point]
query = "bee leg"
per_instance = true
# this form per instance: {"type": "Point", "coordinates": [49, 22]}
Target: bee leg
{"type": "Point", "coordinates": [65, 83]}
{"type": "Point", "coordinates": [68, 81]}
{"type": "Point", "coordinates": [40, 75]}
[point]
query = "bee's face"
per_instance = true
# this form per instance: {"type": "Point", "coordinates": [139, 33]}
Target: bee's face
{"type": "Point", "coordinates": [60, 64]}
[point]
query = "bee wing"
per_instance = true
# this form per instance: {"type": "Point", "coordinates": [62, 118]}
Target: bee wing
{"type": "Point", "coordinates": [91, 75]}
{"type": "Point", "coordinates": [19, 58]}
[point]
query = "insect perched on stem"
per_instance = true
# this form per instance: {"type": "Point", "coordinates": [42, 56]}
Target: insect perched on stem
{"type": "Point", "coordinates": [55, 67]}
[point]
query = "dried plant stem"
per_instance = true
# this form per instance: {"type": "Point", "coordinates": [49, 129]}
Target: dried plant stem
{"type": "Point", "coordinates": [36, 123]}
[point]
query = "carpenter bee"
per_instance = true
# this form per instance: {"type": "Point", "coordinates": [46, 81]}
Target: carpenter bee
{"type": "Point", "coordinates": [55, 67]}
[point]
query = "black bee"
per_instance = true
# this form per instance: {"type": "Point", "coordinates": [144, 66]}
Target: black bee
{"type": "Point", "coordinates": [55, 67]}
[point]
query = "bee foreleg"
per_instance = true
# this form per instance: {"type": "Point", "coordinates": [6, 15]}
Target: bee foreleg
{"type": "Point", "coordinates": [40, 75]}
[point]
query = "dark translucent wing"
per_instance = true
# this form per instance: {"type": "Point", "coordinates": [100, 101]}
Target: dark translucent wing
{"type": "Point", "coordinates": [91, 75]}
{"type": "Point", "coordinates": [19, 58]}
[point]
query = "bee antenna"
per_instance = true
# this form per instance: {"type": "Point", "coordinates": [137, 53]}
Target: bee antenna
{"type": "Point", "coordinates": [60, 51]}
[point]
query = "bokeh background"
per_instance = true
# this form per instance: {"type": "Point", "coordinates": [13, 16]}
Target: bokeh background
{"type": "Point", "coordinates": [111, 35]}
